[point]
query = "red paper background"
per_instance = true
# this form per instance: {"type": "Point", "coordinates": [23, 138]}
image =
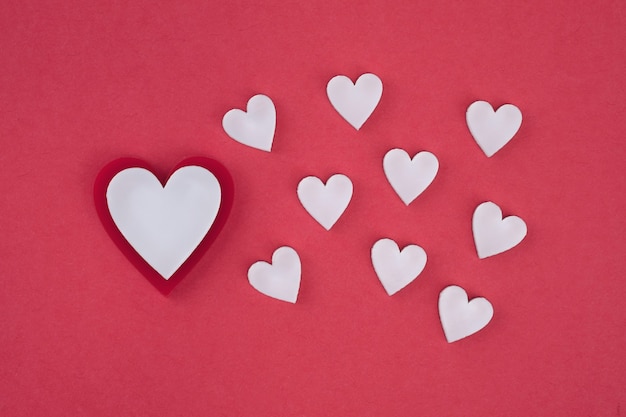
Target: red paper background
{"type": "Point", "coordinates": [84, 333]}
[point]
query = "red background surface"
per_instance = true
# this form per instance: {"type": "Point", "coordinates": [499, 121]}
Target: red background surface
{"type": "Point", "coordinates": [84, 333]}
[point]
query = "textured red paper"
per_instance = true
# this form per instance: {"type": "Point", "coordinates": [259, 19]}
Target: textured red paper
{"type": "Point", "coordinates": [83, 333]}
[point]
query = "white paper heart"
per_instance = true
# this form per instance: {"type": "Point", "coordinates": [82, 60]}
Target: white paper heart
{"type": "Point", "coordinates": [459, 317]}
{"type": "Point", "coordinates": [410, 177]}
{"type": "Point", "coordinates": [254, 128]}
{"type": "Point", "coordinates": [355, 102]}
{"type": "Point", "coordinates": [396, 269]}
{"type": "Point", "coordinates": [494, 235]}
{"type": "Point", "coordinates": [492, 130]}
{"type": "Point", "coordinates": [325, 203]}
{"type": "Point", "coordinates": [281, 278]}
{"type": "Point", "coordinates": [164, 224]}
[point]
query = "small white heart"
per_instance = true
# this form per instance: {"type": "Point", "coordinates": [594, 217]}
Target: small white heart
{"type": "Point", "coordinates": [254, 128]}
{"type": "Point", "coordinates": [410, 177]}
{"type": "Point", "coordinates": [281, 278]}
{"type": "Point", "coordinates": [355, 102]}
{"type": "Point", "coordinates": [494, 235]}
{"type": "Point", "coordinates": [459, 317]}
{"type": "Point", "coordinates": [492, 130]}
{"type": "Point", "coordinates": [325, 203]}
{"type": "Point", "coordinates": [395, 268]}
{"type": "Point", "coordinates": [164, 224]}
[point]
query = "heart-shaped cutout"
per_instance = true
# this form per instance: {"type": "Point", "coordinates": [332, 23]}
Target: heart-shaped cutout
{"type": "Point", "coordinates": [459, 316]}
{"type": "Point", "coordinates": [410, 177]}
{"type": "Point", "coordinates": [325, 202]}
{"type": "Point", "coordinates": [492, 233]}
{"type": "Point", "coordinates": [255, 126]}
{"type": "Point", "coordinates": [397, 268]}
{"type": "Point", "coordinates": [492, 129]}
{"type": "Point", "coordinates": [281, 278]}
{"type": "Point", "coordinates": [355, 102]}
{"type": "Point", "coordinates": [163, 227]}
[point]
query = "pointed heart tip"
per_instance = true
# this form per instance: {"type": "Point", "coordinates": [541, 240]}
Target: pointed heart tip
{"type": "Point", "coordinates": [390, 293]}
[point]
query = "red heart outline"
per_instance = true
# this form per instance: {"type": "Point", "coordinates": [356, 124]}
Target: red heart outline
{"type": "Point", "coordinates": [100, 188]}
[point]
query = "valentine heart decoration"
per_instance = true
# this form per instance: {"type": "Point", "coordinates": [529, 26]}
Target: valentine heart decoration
{"type": "Point", "coordinates": [410, 177]}
{"type": "Point", "coordinates": [492, 130]}
{"type": "Point", "coordinates": [163, 226]}
{"type": "Point", "coordinates": [355, 102]}
{"type": "Point", "coordinates": [325, 202]}
{"type": "Point", "coordinates": [459, 317]}
{"type": "Point", "coordinates": [397, 268]}
{"type": "Point", "coordinates": [254, 128]}
{"type": "Point", "coordinates": [281, 278]}
{"type": "Point", "coordinates": [492, 233]}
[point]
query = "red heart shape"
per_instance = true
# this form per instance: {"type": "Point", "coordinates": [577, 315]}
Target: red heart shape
{"type": "Point", "coordinates": [101, 185]}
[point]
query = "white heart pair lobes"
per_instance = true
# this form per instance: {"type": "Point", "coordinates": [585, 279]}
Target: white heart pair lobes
{"type": "Point", "coordinates": [355, 102]}
{"type": "Point", "coordinates": [492, 129]}
{"type": "Point", "coordinates": [281, 278]}
{"type": "Point", "coordinates": [164, 224]}
{"type": "Point", "coordinates": [397, 268]}
{"type": "Point", "coordinates": [459, 316]}
{"type": "Point", "coordinates": [410, 177]}
{"type": "Point", "coordinates": [254, 127]}
{"type": "Point", "coordinates": [492, 233]}
{"type": "Point", "coordinates": [325, 202]}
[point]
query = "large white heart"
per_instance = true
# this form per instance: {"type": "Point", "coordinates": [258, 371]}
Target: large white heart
{"type": "Point", "coordinates": [355, 102]}
{"type": "Point", "coordinates": [325, 203]}
{"type": "Point", "coordinates": [397, 268]}
{"type": "Point", "coordinates": [410, 177]}
{"type": "Point", "coordinates": [460, 317]}
{"type": "Point", "coordinates": [164, 224]}
{"type": "Point", "coordinates": [492, 130]}
{"type": "Point", "coordinates": [255, 127]}
{"type": "Point", "coordinates": [494, 235]}
{"type": "Point", "coordinates": [281, 278]}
